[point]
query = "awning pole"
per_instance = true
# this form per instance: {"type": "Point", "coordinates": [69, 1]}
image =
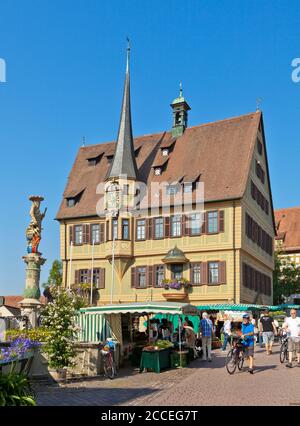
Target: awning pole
{"type": "Point", "coordinates": [179, 337]}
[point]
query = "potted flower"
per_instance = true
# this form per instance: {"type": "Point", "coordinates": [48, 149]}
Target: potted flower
{"type": "Point", "coordinates": [176, 289]}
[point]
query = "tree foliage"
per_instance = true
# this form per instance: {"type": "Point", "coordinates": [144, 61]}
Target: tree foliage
{"type": "Point", "coordinates": [286, 278]}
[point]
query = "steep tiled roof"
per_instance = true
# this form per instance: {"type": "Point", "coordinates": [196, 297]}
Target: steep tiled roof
{"type": "Point", "coordinates": [288, 227]}
{"type": "Point", "coordinates": [220, 152]}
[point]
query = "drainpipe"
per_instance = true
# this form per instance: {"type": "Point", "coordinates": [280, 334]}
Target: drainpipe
{"type": "Point", "coordinates": [234, 255]}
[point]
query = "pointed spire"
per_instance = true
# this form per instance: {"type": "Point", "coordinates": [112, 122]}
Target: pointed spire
{"type": "Point", "coordinates": [124, 159]}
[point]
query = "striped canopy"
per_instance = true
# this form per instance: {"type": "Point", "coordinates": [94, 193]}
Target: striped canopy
{"type": "Point", "coordinates": [236, 307]}
{"type": "Point", "coordinates": [145, 307]}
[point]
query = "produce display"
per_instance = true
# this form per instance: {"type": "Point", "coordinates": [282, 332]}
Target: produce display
{"type": "Point", "coordinates": [164, 344]}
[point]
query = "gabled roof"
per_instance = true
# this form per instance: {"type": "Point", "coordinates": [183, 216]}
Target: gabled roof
{"type": "Point", "coordinates": [288, 227]}
{"type": "Point", "coordinates": [221, 152]}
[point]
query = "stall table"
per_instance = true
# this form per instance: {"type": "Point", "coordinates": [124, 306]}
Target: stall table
{"type": "Point", "coordinates": [156, 360]}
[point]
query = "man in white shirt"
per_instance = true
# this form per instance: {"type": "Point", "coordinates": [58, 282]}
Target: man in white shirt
{"type": "Point", "coordinates": [292, 326]}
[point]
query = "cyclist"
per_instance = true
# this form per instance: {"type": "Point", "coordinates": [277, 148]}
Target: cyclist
{"type": "Point", "coordinates": [248, 340]}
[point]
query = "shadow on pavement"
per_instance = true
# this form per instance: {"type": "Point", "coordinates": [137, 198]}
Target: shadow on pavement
{"type": "Point", "coordinates": [92, 396]}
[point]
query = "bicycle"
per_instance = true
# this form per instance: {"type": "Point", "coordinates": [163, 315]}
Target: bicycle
{"type": "Point", "coordinates": [236, 356]}
{"type": "Point", "coordinates": [107, 351]}
{"type": "Point", "coordinates": [283, 354]}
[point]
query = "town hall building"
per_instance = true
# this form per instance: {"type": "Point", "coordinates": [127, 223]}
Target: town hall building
{"type": "Point", "coordinates": [222, 253]}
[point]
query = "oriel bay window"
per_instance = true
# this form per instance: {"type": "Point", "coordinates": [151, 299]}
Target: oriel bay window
{"type": "Point", "coordinates": [141, 229]}
{"type": "Point", "coordinates": [177, 271]}
{"type": "Point", "coordinates": [176, 226]}
{"type": "Point", "coordinates": [125, 229]}
{"type": "Point", "coordinates": [115, 229]}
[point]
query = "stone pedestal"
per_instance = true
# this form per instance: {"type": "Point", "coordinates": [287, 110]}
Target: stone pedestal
{"type": "Point", "coordinates": [30, 309]}
{"type": "Point", "coordinates": [30, 305]}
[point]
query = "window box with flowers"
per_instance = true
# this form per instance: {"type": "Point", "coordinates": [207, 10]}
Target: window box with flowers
{"type": "Point", "coordinates": [175, 289]}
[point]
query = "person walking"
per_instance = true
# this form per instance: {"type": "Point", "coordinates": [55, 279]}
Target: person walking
{"type": "Point", "coordinates": [268, 330]}
{"type": "Point", "coordinates": [292, 326]}
{"type": "Point", "coordinates": [205, 331]}
{"type": "Point", "coordinates": [190, 338]}
{"type": "Point", "coordinates": [226, 331]}
{"type": "Point", "coordinates": [248, 340]}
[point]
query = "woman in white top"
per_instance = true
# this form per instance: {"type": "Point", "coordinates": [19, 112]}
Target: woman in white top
{"type": "Point", "coordinates": [226, 331]}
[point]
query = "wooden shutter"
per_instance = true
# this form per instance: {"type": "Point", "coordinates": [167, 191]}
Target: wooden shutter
{"type": "Point", "coordinates": [102, 232]}
{"type": "Point", "coordinates": [107, 231]}
{"type": "Point", "coordinates": [102, 278]}
{"type": "Point", "coordinates": [150, 275]}
{"type": "Point", "coordinates": [77, 272]}
{"type": "Point", "coordinates": [192, 273]}
{"type": "Point", "coordinates": [204, 273]}
{"type": "Point", "coordinates": [222, 272]}
{"type": "Point", "coordinates": [245, 283]}
{"type": "Point", "coordinates": [136, 230]}
{"type": "Point", "coordinates": [133, 277]}
{"type": "Point", "coordinates": [185, 225]}
{"type": "Point", "coordinates": [72, 233]}
{"type": "Point", "coordinates": [204, 223]}
{"type": "Point", "coordinates": [149, 229]}
{"type": "Point", "coordinates": [86, 234]}
{"type": "Point", "coordinates": [167, 227]}
{"type": "Point", "coordinates": [221, 221]}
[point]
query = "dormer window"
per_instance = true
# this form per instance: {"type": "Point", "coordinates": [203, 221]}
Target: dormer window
{"type": "Point", "coordinates": [109, 159]}
{"type": "Point", "coordinates": [93, 161]}
{"type": "Point", "coordinates": [165, 152]}
{"type": "Point", "coordinates": [73, 198]}
{"type": "Point", "coordinates": [188, 187]}
{"type": "Point", "coordinates": [71, 202]}
{"type": "Point", "coordinates": [157, 171]}
{"type": "Point", "coordinates": [172, 189]}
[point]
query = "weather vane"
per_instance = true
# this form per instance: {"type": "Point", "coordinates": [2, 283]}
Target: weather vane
{"type": "Point", "coordinates": [258, 104]}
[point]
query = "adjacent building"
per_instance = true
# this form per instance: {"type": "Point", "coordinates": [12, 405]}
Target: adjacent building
{"type": "Point", "coordinates": [288, 233]}
{"type": "Point", "coordinates": [224, 249]}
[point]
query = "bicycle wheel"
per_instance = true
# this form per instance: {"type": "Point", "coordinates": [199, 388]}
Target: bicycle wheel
{"type": "Point", "coordinates": [283, 353]}
{"type": "Point", "coordinates": [231, 361]}
{"type": "Point", "coordinates": [109, 370]}
{"type": "Point", "coordinates": [241, 362]}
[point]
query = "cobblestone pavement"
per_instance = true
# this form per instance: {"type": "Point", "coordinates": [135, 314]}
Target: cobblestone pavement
{"type": "Point", "coordinates": [201, 384]}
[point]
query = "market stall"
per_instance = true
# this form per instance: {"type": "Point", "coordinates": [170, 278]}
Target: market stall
{"type": "Point", "coordinates": [130, 325]}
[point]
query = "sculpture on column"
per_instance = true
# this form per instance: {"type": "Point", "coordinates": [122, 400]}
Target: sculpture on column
{"type": "Point", "coordinates": [34, 230]}
{"type": "Point", "coordinates": [31, 304]}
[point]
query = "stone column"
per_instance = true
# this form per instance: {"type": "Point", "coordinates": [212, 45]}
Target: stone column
{"type": "Point", "coordinates": [30, 305]}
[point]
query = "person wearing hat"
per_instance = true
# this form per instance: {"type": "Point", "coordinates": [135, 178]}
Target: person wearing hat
{"type": "Point", "coordinates": [248, 340]}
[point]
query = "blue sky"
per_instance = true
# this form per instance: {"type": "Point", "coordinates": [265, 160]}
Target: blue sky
{"type": "Point", "coordinates": [65, 69]}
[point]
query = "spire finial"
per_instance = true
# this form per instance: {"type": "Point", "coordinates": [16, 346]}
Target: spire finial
{"type": "Point", "coordinates": [128, 54]}
{"type": "Point", "coordinates": [180, 89]}
{"type": "Point", "coordinates": [258, 104]}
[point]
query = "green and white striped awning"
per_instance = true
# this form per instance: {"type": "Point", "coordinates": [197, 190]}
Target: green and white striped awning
{"type": "Point", "coordinates": [172, 308]}
{"type": "Point", "coordinates": [92, 328]}
{"type": "Point", "coordinates": [236, 307]}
